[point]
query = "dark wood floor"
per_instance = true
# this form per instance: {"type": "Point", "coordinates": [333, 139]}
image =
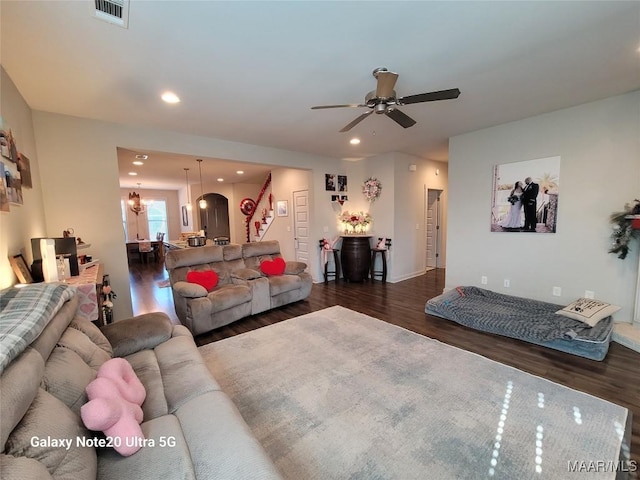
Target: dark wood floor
{"type": "Point", "coordinates": [616, 379]}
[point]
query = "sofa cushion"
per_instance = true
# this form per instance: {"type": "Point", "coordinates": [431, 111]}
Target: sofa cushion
{"type": "Point", "coordinates": [49, 417]}
{"type": "Point", "coordinates": [206, 278]}
{"type": "Point", "coordinates": [69, 389]}
{"type": "Point", "coordinates": [237, 453]}
{"type": "Point", "coordinates": [228, 296]}
{"type": "Point", "coordinates": [284, 283]}
{"type": "Point", "coordinates": [294, 268]}
{"type": "Point", "coordinates": [139, 333]}
{"type": "Point", "coordinates": [23, 468]}
{"type": "Point", "coordinates": [246, 274]}
{"type": "Point", "coordinates": [189, 290]}
{"type": "Point", "coordinates": [168, 457]}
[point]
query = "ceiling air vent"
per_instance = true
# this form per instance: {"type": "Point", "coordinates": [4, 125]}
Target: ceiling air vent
{"type": "Point", "coordinates": [112, 11]}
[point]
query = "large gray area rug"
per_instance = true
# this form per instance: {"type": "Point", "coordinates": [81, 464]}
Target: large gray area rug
{"type": "Point", "coordinates": [336, 394]}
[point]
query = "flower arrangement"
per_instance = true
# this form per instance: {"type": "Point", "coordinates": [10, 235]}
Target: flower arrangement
{"type": "Point", "coordinates": [354, 222]}
{"type": "Point", "coordinates": [371, 189]}
{"type": "Point", "coordinates": [623, 228]}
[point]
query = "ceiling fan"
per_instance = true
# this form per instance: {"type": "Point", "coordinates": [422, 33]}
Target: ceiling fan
{"type": "Point", "coordinates": [383, 100]}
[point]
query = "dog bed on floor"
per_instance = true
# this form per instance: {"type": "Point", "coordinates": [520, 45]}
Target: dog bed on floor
{"type": "Point", "coordinates": [524, 319]}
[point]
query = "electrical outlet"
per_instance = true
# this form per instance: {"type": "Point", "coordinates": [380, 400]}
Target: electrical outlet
{"type": "Point", "coordinates": [325, 229]}
{"type": "Point", "coordinates": [557, 291]}
{"type": "Point", "coordinates": [417, 226]}
{"type": "Point", "coordinates": [483, 280]}
{"type": "Point", "coordinates": [589, 294]}
{"type": "Point", "coordinates": [507, 283]}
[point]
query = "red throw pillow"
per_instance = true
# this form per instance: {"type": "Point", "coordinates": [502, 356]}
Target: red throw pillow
{"type": "Point", "coordinates": [207, 278]}
{"type": "Point", "coordinates": [273, 267]}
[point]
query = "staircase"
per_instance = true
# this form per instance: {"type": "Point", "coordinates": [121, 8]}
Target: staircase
{"type": "Point", "coordinates": [259, 221]}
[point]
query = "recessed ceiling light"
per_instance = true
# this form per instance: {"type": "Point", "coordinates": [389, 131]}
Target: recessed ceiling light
{"type": "Point", "coordinates": [138, 162]}
{"type": "Point", "coordinates": [240, 172]}
{"type": "Point", "coordinates": [354, 141]}
{"type": "Point", "coordinates": [133, 174]}
{"type": "Point", "coordinates": [170, 97]}
{"type": "Point", "coordinates": [142, 157]}
{"type": "Point", "coordinates": [221, 179]}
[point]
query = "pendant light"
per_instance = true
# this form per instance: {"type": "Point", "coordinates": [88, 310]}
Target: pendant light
{"type": "Point", "coordinates": [186, 175]}
{"type": "Point", "coordinates": [202, 203]}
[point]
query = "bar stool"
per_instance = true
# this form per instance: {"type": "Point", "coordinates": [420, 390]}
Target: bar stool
{"type": "Point", "coordinates": [383, 253]}
{"type": "Point", "coordinates": [336, 261]}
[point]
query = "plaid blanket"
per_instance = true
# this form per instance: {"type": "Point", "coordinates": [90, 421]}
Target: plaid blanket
{"type": "Point", "coordinates": [24, 312]}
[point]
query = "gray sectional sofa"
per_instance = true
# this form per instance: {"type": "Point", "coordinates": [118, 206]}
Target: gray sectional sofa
{"type": "Point", "coordinates": [197, 432]}
{"type": "Point", "coordinates": [242, 289]}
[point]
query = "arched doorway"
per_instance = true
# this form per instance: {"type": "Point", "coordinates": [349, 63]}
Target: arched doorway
{"type": "Point", "coordinates": [214, 219]}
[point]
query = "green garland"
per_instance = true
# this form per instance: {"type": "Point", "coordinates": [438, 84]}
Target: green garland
{"type": "Point", "coordinates": [623, 232]}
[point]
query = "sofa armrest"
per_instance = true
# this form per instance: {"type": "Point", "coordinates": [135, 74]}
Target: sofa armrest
{"type": "Point", "coordinates": [189, 290]}
{"type": "Point", "coordinates": [138, 333]}
{"type": "Point", "coordinates": [294, 268]}
{"type": "Point", "coordinates": [246, 274]}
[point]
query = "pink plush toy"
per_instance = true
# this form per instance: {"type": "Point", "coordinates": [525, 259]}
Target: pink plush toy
{"type": "Point", "coordinates": [114, 403]}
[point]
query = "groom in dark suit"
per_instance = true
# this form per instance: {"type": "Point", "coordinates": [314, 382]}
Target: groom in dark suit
{"type": "Point", "coordinates": [529, 204]}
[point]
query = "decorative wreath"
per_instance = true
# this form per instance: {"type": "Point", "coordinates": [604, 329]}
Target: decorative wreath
{"type": "Point", "coordinates": [371, 189]}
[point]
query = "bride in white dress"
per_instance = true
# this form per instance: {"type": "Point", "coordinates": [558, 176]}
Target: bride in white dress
{"type": "Point", "coordinates": [514, 217]}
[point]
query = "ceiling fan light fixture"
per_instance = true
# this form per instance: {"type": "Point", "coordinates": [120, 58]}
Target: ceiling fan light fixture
{"type": "Point", "coordinates": [354, 141]}
{"type": "Point", "coordinates": [170, 97]}
{"type": "Point", "coordinates": [381, 108]}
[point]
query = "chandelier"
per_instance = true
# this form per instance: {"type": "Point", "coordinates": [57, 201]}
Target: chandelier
{"type": "Point", "coordinates": [136, 204]}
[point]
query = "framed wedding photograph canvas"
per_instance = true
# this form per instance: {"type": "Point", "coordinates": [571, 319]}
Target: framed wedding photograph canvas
{"type": "Point", "coordinates": [525, 196]}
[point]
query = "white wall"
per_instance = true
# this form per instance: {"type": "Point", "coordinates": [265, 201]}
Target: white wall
{"type": "Point", "coordinates": [79, 160]}
{"type": "Point", "coordinates": [599, 146]}
{"type": "Point", "coordinates": [26, 221]}
{"type": "Point", "coordinates": [409, 232]}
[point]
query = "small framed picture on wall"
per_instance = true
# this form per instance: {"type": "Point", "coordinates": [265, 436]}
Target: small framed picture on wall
{"type": "Point", "coordinates": [330, 182]}
{"type": "Point", "coordinates": [282, 208]}
{"type": "Point", "coordinates": [342, 183]}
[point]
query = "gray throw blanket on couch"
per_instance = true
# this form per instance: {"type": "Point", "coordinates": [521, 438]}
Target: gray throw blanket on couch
{"type": "Point", "coordinates": [24, 312]}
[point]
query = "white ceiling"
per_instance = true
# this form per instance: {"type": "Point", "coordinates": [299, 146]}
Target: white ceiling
{"type": "Point", "coordinates": [250, 71]}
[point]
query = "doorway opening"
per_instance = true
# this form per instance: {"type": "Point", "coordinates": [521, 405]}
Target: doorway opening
{"type": "Point", "coordinates": [434, 228]}
{"type": "Point", "coordinates": [214, 219]}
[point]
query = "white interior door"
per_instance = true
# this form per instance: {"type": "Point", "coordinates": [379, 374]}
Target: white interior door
{"type": "Point", "coordinates": [433, 228]}
{"type": "Point", "coordinates": [301, 225]}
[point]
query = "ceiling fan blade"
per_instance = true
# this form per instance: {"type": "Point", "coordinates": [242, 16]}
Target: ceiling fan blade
{"type": "Point", "coordinates": [401, 118]}
{"type": "Point", "coordinates": [356, 121]}
{"type": "Point", "coordinates": [386, 82]}
{"type": "Point", "coordinates": [430, 97]}
{"type": "Point", "coordinates": [351, 105]}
